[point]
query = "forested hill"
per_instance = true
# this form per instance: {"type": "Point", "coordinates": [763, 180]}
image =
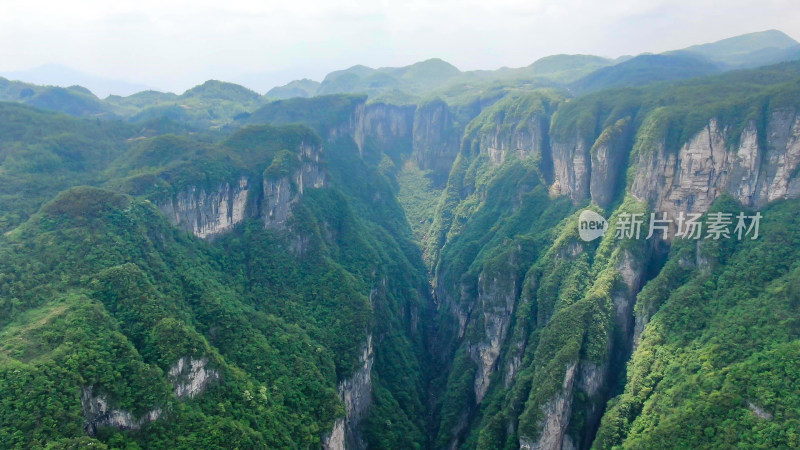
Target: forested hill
{"type": "Point", "coordinates": [118, 327]}
{"type": "Point", "coordinates": [403, 269]}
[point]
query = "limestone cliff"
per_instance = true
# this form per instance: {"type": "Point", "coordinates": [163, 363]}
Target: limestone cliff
{"type": "Point", "coordinates": [356, 393]}
{"type": "Point", "coordinates": [208, 212]}
{"type": "Point", "coordinates": [754, 162]}
{"type": "Point", "coordinates": [436, 137]}
{"type": "Point", "coordinates": [717, 161]}
{"type": "Point", "coordinates": [98, 412]}
{"type": "Point", "coordinates": [384, 128]}
{"type": "Point", "coordinates": [190, 376]}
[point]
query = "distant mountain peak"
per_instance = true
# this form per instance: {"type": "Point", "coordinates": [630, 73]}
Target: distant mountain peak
{"type": "Point", "coordinates": [749, 50]}
{"type": "Point", "coordinates": [53, 74]}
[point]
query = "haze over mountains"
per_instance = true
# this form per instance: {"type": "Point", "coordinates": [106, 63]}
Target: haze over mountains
{"type": "Point", "coordinates": [749, 50]}
{"type": "Point", "coordinates": [391, 258]}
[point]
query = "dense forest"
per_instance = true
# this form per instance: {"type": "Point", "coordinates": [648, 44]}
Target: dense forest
{"type": "Point", "coordinates": [391, 258]}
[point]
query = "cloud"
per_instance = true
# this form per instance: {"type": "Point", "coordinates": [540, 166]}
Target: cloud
{"type": "Point", "coordinates": [175, 44]}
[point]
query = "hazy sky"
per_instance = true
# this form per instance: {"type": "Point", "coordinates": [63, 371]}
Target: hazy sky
{"type": "Point", "coordinates": [174, 45]}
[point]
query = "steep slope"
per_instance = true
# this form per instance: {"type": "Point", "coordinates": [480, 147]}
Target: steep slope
{"type": "Point", "coordinates": [293, 313]}
{"type": "Point", "coordinates": [541, 323]}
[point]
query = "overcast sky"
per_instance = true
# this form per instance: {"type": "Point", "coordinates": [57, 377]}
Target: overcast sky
{"type": "Point", "coordinates": [174, 45]}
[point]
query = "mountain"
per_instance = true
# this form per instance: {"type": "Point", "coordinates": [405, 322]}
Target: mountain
{"type": "Point", "coordinates": [218, 269]}
{"type": "Point", "coordinates": [645, 69]}
{"type": "Point", "coordinates": [565, 68]}
{"type": "Point", "coordinates": [541, 323]}
{"type": "Point", "coordinates": [296, 88]}
{"type": "Point", "coordinates": [58, 75]}
{"type": "Point", "coordinates": [749, 50]}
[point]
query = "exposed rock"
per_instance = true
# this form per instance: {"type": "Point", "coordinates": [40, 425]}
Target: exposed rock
{"type": "Point", "coordinates": [556, 417]}
{"type": "Point", "coordinates": [781, 158]}
{"type": "Point", "coordinates": [279, 195]}
{"type": "Point", "coordinates": [335, 439]}
{"type": "Point", "coordinates": [356, 393]}
{"type": "Point", "coordinates": [190, 376]}
{"type": "Point", "coordinates": [608, 155]}
{"type": "Point", "coordinates": [705, 167]}
{"type": "Point", "coordinates": [758, 411]}
{"type": "Point", "coordinates": [571, 168]}
{"type": "Point", "coordinates": [208, 213]}
{"type": "Point", "coordinates": [524, 139]}
{"type": "Point", "coordinates": [97, 412]}
{"type": "Point", "coordinates": [436, 137]}
{"type": "Point", "coordinates": [631, 272]}
{"type": "Point", "coordinates": [388, 127]}
{"type": "Point", "coordinates": [496, 298]}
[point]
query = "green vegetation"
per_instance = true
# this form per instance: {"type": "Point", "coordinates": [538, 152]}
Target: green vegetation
{"type": "Point", "coordinates": [100, 295]}
{"type": "Point", "coordinates": [645, 69]}
{"type": "Point", "coordinates": [749, 50]}
{"type": "Point", "coordinates": [487, 315]}
{"type": "Point", "coordinates": [419, 198]}
{"type": "Point", "coordinates": [717, 364]}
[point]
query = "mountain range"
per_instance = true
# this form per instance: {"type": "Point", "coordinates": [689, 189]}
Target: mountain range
{"type": "Point", "coordinates": [393, 258]}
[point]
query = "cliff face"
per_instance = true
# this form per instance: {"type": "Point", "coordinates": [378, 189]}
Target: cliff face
{"type": "Point", "coordinates": [388, 128]}
{"type": "Point", "coordinates": [356, 393]}
{"type": "Point", "coordinates": [209, 212]}
{"type": "Point", "coordinates": [571, 168]}
{"type": "Point", "coordinates": [97, 412]}
{"type": "Point", "coordinates": [436, 137]}
{"type": "Point", "coordinates": [709, 165]}
{"type": "Point", "coordinates": [755, 163]}
{"type": "Point", "coordinates": [189, 377]}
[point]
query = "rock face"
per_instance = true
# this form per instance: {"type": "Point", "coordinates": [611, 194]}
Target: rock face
{"type": "Point", "coordinates": [280, 194]}
{"type": "Point", "coordinates": [209, 212]}
{"type": "Point", "coordinates": [571, 168]}
{"type": "Point", "coordinates": [754, 164]}
{"type": "Point", "coordinates": [608, 155]}
{"type": "Point", "coordinates": [387, 127]}
{"type": "Point", "coordinates": [97, 412]}
{"type": "Point", "coordinates": [206, 213]}
{"type": "Point", "coordinates": [556, 418]}
{"type": "Point", "coordinates": [496, 298]}
{"type": "Point", "coordinates": [706, 167]}
{"type": "Point", "coordinates": [356, 393]}
{"type": "Point", "coordinates": [190, 376]}
{"type": "Point", "coordinates": [437, 137]}
{"type": "Point", "coordinates": [526, 139]}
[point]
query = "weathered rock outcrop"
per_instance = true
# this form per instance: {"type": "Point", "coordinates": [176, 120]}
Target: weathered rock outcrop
{"type": "Point", "coordinates": [388, 128]}
{"type": "Point", "coordinates": [707, 166]}
{"type": "Point", "coordinates": [497, 293]}
{"type": "Point", "coordinates": [191, 376]}
{"type": "Point", "coordinates": [571, 167]}
{"type": "Point", "coordinates": [608, 156]}
{"type": "Point", "coordinates": [525, 139]}
{"type": "Point", "coordinates": [279, 194]}
{"type": "Point", "coordinates": [555, 418]}
{"type": "Point", "coordinates": [97, 412]}
{"type": "Point", "coordinates": [356, 393]}
{"type": "Point", "coordinates": [436, 137]}
{"type": "Point", "coordinates": [209, 212]}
